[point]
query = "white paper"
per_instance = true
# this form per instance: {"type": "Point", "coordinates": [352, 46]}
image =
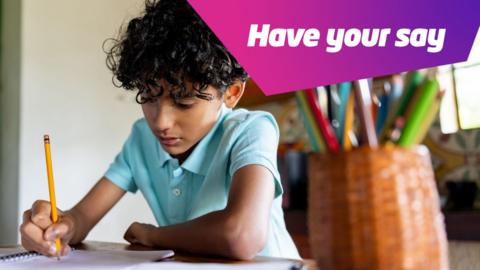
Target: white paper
{"type": "Point", "coordinates": [284, 265]}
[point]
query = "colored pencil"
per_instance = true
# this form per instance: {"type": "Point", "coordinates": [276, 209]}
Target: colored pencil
{"type": "Point", "coordinates": [325, 127]}
{"type": "Point", "coordinates": [314, 135]}
{"type": "Point", "coordinates": [344, 91]}
{"type": "Point", "coordinates": [384, 108]}
{"type": "Point", "coordinates": [347, 142]}
{"type": "Point", "coordinates": [414, 79]}
{"type": "Point", "coordinates": [419, 113]}
{"type": "Point", "coordinates": [363, 99]}
{"type": "Point", "coordinates": [429, 118]}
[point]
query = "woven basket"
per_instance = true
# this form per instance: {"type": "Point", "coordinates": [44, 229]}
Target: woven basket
{"type": "Point", "coordinates": [375, 209]}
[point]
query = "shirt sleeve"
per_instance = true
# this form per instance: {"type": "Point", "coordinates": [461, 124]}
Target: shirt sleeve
{"type": "Point", "coordinates": [257, 144]}
{"type": "Point", "coordinates": [120, 170]}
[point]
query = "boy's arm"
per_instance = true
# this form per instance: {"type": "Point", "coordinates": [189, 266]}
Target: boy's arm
{"type": "Point", "coordinates": [38, 232]}
{"type": "Point", "coordinates": [93, 207]}
{"type": "Point", "coordinates": [239, 231]}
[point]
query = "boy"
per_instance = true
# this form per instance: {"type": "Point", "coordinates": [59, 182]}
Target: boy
{"type": "Point", "coordinates": [207, 172]}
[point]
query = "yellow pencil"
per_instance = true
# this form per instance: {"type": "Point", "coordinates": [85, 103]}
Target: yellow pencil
{"type": "Point", "coordinates": [51, 187]}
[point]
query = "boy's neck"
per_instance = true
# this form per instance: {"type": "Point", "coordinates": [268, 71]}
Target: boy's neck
{"type": "Point", "coordinates": [183, 156]}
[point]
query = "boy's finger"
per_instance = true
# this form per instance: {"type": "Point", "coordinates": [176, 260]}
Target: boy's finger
{"type": "Point", "coordinates": [41, 214]}
{"type": "Point", "coordinates": [32, 238]}
{"type": "Point", "coordinates": [66, 249]}
{"type": "Point", "coordinates": [52, 249]}
{"type": "Point", "coordinates": [57, 231]}
{"type": "Point", "coordinates": [130, 236]}
{"type": "Point", "coordinates": [27, 216]}
{"type": "Point", "coordinates": [45, 248]}
{"type": "Point", "coordinates": [31, 231]}
{"type": "Point", "coordinates": [27, 244]}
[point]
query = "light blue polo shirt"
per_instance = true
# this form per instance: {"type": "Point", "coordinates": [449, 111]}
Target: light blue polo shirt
{"type": "Point", "coordinates": [177, 192]}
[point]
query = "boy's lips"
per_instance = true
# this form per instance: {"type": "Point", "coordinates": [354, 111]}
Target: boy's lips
{"type": "Point", "coordinates": [169, 141]}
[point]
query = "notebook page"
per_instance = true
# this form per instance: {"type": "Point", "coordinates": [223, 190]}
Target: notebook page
{"type": "Point", "coordinates": [90, 260]}
{"type": "Point", "coordinates": [283, 265]}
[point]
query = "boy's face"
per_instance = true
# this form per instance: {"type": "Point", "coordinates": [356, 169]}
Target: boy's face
{"type": "Point", "coordinates": [182, 124]}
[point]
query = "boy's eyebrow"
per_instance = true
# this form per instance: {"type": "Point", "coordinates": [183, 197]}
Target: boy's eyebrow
{"type": "Point", "coordinates": [206, 96]}
{"type": "Point", "coordinates": [182, 92]}
{"type": "Point", "coordinates": [176, 92]}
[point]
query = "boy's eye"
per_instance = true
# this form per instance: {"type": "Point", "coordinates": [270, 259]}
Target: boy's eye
{"type": "Point", "coordinates": [184, 105]}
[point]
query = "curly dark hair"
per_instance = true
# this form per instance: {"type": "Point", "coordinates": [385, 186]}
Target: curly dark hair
{"type": "Point", "coordinates": [171, 42]}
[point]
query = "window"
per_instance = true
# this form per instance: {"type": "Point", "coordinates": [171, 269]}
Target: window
{"type": "Point", "coordinates": [461, 103]}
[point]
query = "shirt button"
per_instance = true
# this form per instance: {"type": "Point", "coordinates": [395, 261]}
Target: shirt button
{"type": "Point", "coordinates": [176, 192]}
{"type": "Point", "coordinates": [177, 172]}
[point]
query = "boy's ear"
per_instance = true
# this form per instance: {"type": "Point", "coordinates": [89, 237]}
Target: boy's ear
{"type": "Point", "coordinates": [233, 94]}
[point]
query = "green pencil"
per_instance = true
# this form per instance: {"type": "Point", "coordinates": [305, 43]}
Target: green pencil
{"type": "Point", "coordinates": [429, 118]}
{"type": "Point", "coordinates": [419, 112]}
{"type": "Point", "coordinates": [413, 80]}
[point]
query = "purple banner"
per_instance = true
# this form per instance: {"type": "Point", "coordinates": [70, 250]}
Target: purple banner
{"type": "Point", "coordinates": [290, 45]}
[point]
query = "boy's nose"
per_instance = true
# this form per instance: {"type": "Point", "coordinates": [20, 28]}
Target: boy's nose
{"type": "Point", "coordinates": [164, 119]}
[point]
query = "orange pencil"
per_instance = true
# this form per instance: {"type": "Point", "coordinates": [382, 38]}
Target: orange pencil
{"type": "Point", "coordinates": [348, 126]}
{"type": "Point", "coordinates": [51, 188]}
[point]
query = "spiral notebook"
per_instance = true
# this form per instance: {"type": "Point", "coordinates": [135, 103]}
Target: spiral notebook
{"type": "Point", "coordinates": [81, 259]}
{"type": "Point", "coordinates": [126, 260]}
{"type": "Point", "coordinates": [11, 256]}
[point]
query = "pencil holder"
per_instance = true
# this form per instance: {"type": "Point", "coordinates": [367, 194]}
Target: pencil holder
{"type": "Point", "coordinates": [375, 209]}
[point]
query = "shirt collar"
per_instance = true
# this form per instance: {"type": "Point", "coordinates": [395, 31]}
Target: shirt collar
{"type": "Point", "coordinates": [163, 156]}
{"type": "Point", "coordinates": [195, 162]}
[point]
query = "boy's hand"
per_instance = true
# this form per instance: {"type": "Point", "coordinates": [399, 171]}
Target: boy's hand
{"type": "Point", "coordinates": [140, 233]}
{"type": "Point", "coordinates": [39, 233]}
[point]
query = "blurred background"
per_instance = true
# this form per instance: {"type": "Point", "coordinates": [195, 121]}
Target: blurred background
{"type": "Point", "coordinates": [55, 81]}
